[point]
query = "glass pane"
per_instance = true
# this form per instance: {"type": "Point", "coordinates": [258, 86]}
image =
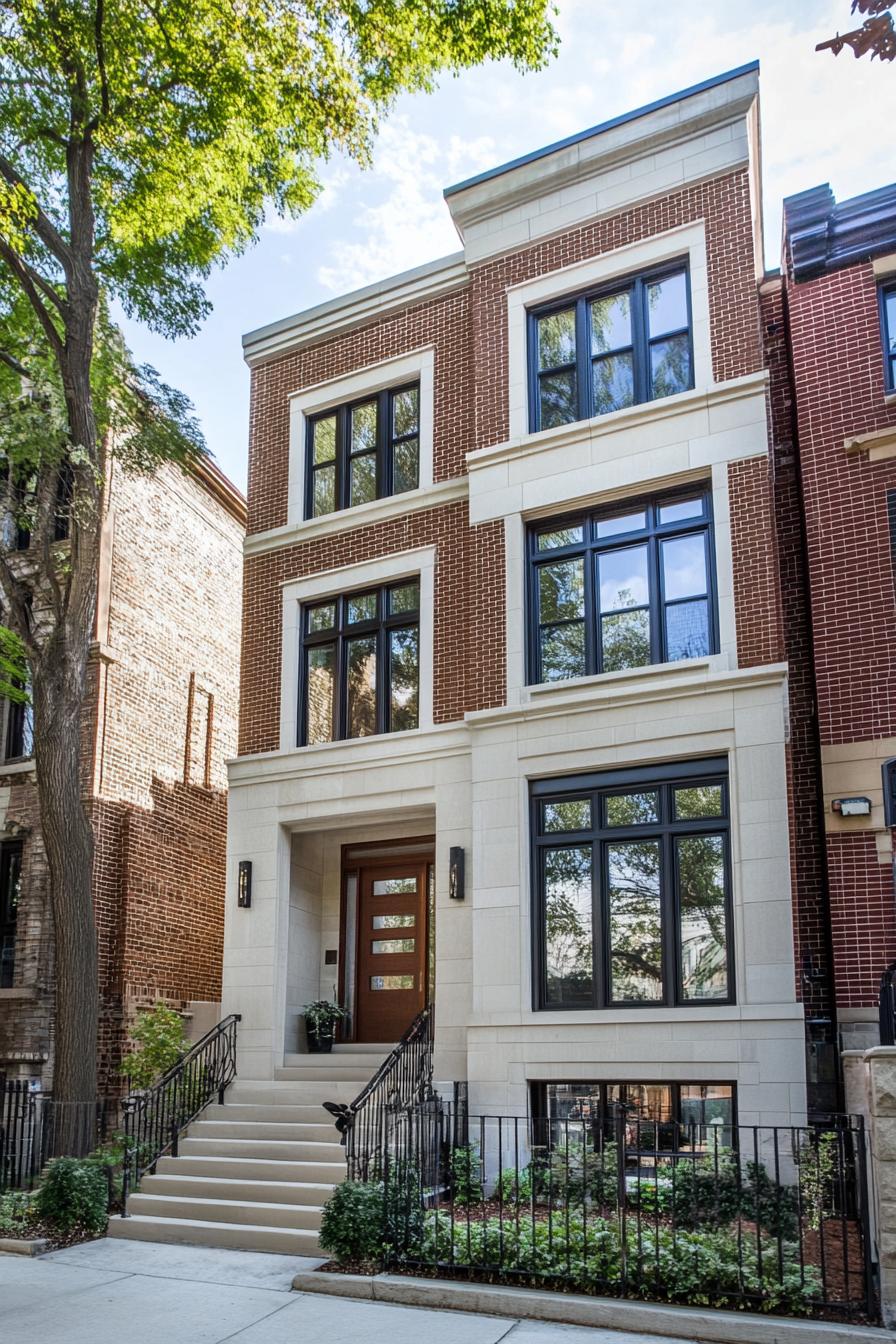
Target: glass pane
{"type": "Point", "coordinates": [562, 536]}
{"type": "Point", "coordinates": [322, 618]}
{"type": "Point", "coordinates": [364, 427]}
{"type": "Point", "coordinates": [391, 982]}
{"type": "Point", "coordinates": [891, 321]}
{"type": "Point", "coordinates": [363, 479]}
{"type": "Point", "coordinates": [574, 814]}
{"type": "Point", "coordinates": [394, 886]}
{"type": "Point", "coordinates": [388, 946]}
{"type": "Point", "coordinates": [406, 597]}
{"type": "Point", "coordinates": [405, 412]}
{"type": "Point", "coordinates": [563, 652]}
{"type": "Point", "coordinates": [405, 466]}
{"type": "Point", "coordinates": [698, 800]}
{"type": "Point", "coordinates": [625, 640]}
{"type": "Point", "coordinates": [687, 630]}
{"type": "Point", "coordinates": [614, 385]}
{"type": "Point", "coordinates": [324, 490]}
{"type": "Point", "coordinates": [623, 578]}
{"type": "Point", "coordinates": [394, 921]}
{"type": "Point", "coordinates": [707, 1112]}
{"type": "Point", "coordinates": [611, 323]}
{"type": "Point", "coordinates": [557, 339]}
{"type": "Point", "coordinates": [623, 522]}
{"type": "Point", "coordinates": [361, 686]}
{"type": "Point", "coordinates": [561, 591]}
{"type": "Point", "coordinates": [403, 679]}
{"type": "Point", "coordinates": [704, 936]}
{"type": "Point", "coordinates": [633, 888]}
{"type": "Point", "coordinates": [670, 366]}
{"type": "Point", "coordinates": [631, 809]}
{"type": "Point", "coordinates": [684, 566]}
{"type": "Point", "coordinates": [568, 946]}
{"type": "Point", "coordinates": [321, 667]}
{"type": "Point", "coordinates": [362, 607]}
{"type": "Point", "coordinates": [681, 509]}
{"type": "Point", "coordinates": [324, 434]}
{"type": "Point", "coordinates": [667, 304]}
{"type": "Point", "coordinates": [557, 399]}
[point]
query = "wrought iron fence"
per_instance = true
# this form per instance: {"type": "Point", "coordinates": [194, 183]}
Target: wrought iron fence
{"type": "Point", "coordinates": [763, 1218]}
{"type": "Point", "coordinates": [403, 1080]}
{"type": "Point", "coordinates": [33, 1126]}
{"type": "Point", "coordinates": [155, 1117]}
{"type": "Point", "coordinates": [887, 1006]}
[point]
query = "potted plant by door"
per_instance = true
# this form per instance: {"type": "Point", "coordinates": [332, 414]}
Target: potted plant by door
{"type": "Point", "coordinates": [320, 1025]}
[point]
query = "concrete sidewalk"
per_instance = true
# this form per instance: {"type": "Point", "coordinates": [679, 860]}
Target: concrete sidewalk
{"type": "Point", "coordinates": [128, 1292]}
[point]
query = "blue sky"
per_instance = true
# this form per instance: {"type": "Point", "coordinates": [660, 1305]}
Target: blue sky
{"type": "Point", "coordinates": [823, 119]}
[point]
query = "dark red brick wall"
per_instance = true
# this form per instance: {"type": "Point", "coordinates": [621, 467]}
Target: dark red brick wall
{"type": "Point", "coordinates": [838, 375]}
{"type": "Point", "coordinates": [757, 605]}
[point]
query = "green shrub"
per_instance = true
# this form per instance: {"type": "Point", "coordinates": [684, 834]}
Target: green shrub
{"type": "Point", "coordinates": [775, 1207]}
{"type": "Point", "coordinates": [353, 1226]}
{"type": "Point", "coordinates": [466, 1175]}
{"type": "Point", "coordinates": [574, 1173]}
{"type": "Point", "coordinates": [16, 1213]}
{"type": "Point", "coordinates": [514, 1187]}
{"type": "Point", "coordinates": [818, 1167]}
{"type": "Point", "coordinates": [161, 1043]}
{"type": "Point", "coordinates": [73, 1193]}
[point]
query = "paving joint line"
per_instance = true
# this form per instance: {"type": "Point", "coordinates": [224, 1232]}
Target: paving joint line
{"type": "Point", "coordinates": [235, 1334]}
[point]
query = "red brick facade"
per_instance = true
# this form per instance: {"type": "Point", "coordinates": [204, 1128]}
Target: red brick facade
{"type": "Point", "coordinates": [164, 675]}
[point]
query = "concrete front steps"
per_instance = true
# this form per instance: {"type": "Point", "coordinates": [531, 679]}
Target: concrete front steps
{"type": "Point", "coordinates": [255, 1173]}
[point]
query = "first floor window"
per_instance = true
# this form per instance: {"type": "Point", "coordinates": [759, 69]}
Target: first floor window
{"type": "Point", "coordinates": [10, 885]}
{"type": "Point", "coordinates": [632, 890]}
{"type": "Point", "coordinates": [361, 664]}
{"type": "Point", "coordinates": [696, 1116]}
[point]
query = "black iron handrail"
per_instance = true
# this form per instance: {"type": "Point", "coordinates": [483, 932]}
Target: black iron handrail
{"type": "Point", "coordinates": [403, 1079]}
{"type": "Point", "coordinates": [887, 1006]}
{"type": "Point", "coordinates": [155, 1117]}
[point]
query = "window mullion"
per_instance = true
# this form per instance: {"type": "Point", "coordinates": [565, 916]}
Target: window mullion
{"type": "Point", "coordinates": [640, 354]}
{"type": "Point", "coordinates": [584, 385]}
{"type": "Point", "coordinates": [384, 465]}
{"type": "Point", "coordinates": [600, 920]}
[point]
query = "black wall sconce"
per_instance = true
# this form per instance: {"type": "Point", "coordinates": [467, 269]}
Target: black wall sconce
{"type": "Point", "coordinates": [244, 884]}
{"type": "Point", "coordinates": [456, 873]}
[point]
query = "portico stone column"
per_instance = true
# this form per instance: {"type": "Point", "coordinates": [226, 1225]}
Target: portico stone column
{"type": "Point", "coordinates": [881, 1066]}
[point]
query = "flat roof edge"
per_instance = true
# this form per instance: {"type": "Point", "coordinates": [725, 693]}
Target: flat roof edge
{"type": "Point", "coordinates": [751, 67]}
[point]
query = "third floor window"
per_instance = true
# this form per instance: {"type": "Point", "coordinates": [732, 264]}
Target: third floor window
{"type": "Point", "coordinates": [621, 587]}
{"type": "Point", "coordinates": [363, 450]}
{"type": "Point", "coordinates": [610, 348]}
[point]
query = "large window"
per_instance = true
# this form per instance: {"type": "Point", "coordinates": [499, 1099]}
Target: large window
{"type": "Point", "coordinates": [632, 893]}
{"type": "Point", "coordinates": [363, 451]}
{"type": "Point", "coordinates": [610, 348]}
{"type": "Point", "coordinates": [622, 587]}
{"type": "Point", "coordinates": [361, 664]}
{"type": "Point", "coordinates": [672, 1116]}
{"type": "Point", "coordinates": [10, 884]}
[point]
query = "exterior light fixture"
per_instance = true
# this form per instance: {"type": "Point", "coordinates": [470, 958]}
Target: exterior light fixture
{"type": "Point", "coordinates": [456, 873]}
{"type": "Point", "coordinates": [852, 807]}
{"type": "Point", "coordinates": [244, 884]}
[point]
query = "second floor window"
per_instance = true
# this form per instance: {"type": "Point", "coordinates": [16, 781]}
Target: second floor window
{"type": "Point", "coordinates": [10, 886]}
{"type": "Point", "coordinates": [622, 587]}
{"type": "Point", "coordinates": [363, 451]}
{"type": "Point", "coordinates": [361, 664]}
{"type": "Point", "coordinates": [610, 348]}
{"type": "Point", "coordinates": [888, 333]}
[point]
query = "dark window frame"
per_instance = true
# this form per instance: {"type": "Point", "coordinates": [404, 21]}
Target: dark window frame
{"type": "Point", "coordinates": [883, 290]}
{"type": "Point", "coordinates": [663, 778]}
{"type": "Point", "coordinates": [11, 854]}
{"type": "Point", "coordinates": [341, 635]}
{"type": "Point", "coordinates": [636, 283]}
{"type": "Point", "coordinates": [538, 1095]}
{"type": "Point", "coordinates": [384, 449]}
{"type": "Point", "coordinates": [18, 732]}
{"type": "Point", "coordinates": [592, 546]}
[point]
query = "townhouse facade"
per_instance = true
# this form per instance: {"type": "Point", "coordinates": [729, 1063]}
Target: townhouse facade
{"type": "Point", "coordinates": [839, 278]}
{"type": "Point", "coordinates": [519, 670]}
{"type": "Point", "coordinates": [159, 725]}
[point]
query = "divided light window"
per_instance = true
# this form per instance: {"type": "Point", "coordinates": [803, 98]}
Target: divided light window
{"type": "Point", "coordinates": [361, 664]}
{"type": "Point", "coordinates": [611, 348]}
{"type": "Point", "coordinates": [632, 902]}
{"type": "Point", "coordinates": [363, 451]}
{"type": "Point", "coordinates": [622, 587]}
{"type": "Point", "coordinates": [888, 333]}
{"type": "Point", "coordinates": [10, 886]}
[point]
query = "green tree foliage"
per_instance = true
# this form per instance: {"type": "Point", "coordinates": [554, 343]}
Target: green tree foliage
{"type": "Point", "coordinates": [139, 147]}
{"type": "Point", "coordinates": [160, 1040]}
{"type": "Point", "coordinates": [73, 1193]}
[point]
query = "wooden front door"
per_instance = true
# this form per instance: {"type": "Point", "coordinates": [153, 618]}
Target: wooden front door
{"type": "Point", "coordinates": [392, 941]}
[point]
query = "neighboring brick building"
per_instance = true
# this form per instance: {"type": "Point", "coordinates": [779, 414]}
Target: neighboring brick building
{"type": "Point", "coordinates": [839, 265]}
{"type": "Point", "coordinates": [518, 522]}
{"type": "Point", "coordinates": [161, 722]}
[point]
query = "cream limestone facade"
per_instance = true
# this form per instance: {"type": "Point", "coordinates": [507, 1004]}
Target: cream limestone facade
{"type": "Point", "coordinates": [294, 811]}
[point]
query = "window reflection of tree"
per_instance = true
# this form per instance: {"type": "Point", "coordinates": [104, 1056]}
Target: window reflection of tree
{"type": "Point", "coordinates": [568, 908]}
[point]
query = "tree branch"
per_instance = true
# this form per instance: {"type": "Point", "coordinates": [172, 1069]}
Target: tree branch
{"type": "Point", "coordinates": [20, 271]}
{"type": "Point", "coordinates": [12, 363]}
{"type": "Point", "coordinates": [43, 226]}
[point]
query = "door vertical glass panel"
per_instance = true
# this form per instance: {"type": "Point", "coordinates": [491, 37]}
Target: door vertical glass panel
{"type": "Point", "coordinates": [392, 948]}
